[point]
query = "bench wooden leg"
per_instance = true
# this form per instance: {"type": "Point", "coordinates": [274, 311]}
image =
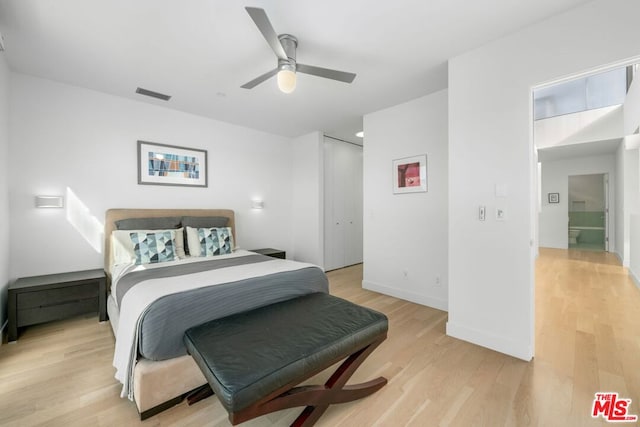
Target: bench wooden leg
{"type": "Point", "coordinates": [316, 398]}
{"type": "Point", "coordinates": [311, 414]}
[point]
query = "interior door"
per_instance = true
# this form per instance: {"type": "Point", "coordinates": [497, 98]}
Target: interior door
{"type": "Point", "coordinates": [353, 205]}
{"type": "Point", "coordinates": [340, 202]}
{"type": "Point", "coordinates": [606, 212]}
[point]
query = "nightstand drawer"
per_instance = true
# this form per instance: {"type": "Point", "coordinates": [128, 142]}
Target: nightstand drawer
{"type": "Point", "coordinates": [48, 313]}
{"type": "Point", "coordinates": [48, 297]}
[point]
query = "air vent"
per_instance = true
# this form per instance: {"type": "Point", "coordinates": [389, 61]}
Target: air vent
{"type": "Point", "coordinates": [153, 94]}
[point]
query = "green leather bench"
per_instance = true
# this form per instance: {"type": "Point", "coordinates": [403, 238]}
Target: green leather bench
{"type": "Point", "coordinates": [253, 361]}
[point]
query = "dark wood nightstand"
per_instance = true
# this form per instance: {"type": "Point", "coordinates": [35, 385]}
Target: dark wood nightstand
{"type": "Point", "coordinates": [42, 299]}
{"type": "Point", "coordinates": [275, 253]}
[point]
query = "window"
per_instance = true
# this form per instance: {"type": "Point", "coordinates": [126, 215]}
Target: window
{"type": "Point", "coordinates": [586, 93]}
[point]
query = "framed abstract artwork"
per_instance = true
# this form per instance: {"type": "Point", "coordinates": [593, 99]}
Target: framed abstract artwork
{"type": "Point", "coordinates": [554, 197]}
{"type": "Point", "coordinates": [162, 164]}
{"type": "Point", "coordinates": [410, 174]}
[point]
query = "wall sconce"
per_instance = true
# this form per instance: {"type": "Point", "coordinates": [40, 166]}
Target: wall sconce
{"type": "Point", "coordinates": [257, 204]}
{"type": "Point", "coordinates": [49, 201]}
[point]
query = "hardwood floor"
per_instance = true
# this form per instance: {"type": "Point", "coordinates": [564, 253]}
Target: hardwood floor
{"type": "Point", "coordinates": [587, 340]}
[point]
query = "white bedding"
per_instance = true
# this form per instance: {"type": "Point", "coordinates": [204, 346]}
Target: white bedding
{"type": "Point", "coordinates": [121, 270]}
{"type": "Point", "coordinates": [139, 298]}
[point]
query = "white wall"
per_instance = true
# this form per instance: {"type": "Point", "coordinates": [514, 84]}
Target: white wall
{"type": "Point", "coordinates": [63, 136]}
{"type": "Point", "coordinates": [634, 251]}
{"type": "Point", "coordinates": [491, 276]}
{"type": "Point", "coordinates": [631, 109]}
{"type": "Point", "coordinates": [407, 233]}
{"type": "Point", "coordinates": [585, 126]}
{"type": "Point", "coordinates": [555, 179]}
{"type": "Point", "coordinates": [621, 248]}
{"type": "Point", "coordinates": [4, 188]}
{"type": "Point", "coordinates": [631, 195]}
{"type": "Point", "coordinates": [586, 192]}
{"type": "Point", "coordinates": [307, 198]}
{"type": "Point", "coordinates": [629, 174]}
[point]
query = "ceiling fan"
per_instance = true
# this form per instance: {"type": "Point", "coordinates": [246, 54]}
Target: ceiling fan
{"type": "Point", "coordinates": [284, 46]}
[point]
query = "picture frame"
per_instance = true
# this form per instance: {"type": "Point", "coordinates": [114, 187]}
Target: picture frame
{"type": "Point", "coordinates": [164, 164]}
{"type": "Point", "coordinates": [554, 197]}
{"type": "Point", "coordinates": [410, 174]}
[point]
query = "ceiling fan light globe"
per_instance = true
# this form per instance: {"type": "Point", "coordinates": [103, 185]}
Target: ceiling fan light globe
{"type": "Point", "coordinates": [286, 81]}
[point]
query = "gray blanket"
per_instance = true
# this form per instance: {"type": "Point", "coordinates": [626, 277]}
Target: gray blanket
{"type": "Point", "coordinates": [164, 323]}
{"type": "Point", "coordinates": [133, 278]}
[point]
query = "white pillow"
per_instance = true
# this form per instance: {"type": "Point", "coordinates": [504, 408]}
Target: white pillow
{"type": "Point", "coordinates": [122, 245]}
{"type": "Point", "coordinates": [193, 241]}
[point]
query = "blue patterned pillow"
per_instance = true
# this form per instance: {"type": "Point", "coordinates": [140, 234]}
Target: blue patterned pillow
{"type": "Point", "coordinates": [151, 248]}
{"type": "Point", "coordinates": [215, 241]}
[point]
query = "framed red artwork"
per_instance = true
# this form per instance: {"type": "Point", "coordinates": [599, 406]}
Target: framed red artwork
{"type": "Point", "coordinates": [410, 174]}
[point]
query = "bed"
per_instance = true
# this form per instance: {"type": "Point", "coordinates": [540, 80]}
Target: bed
{"type": "Point", "coordinates": [154, 298]}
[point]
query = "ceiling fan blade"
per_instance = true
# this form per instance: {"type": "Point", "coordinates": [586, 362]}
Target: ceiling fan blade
{"type": "Point", "coordinates": [259, 16]}
{"type": "Point", "coordinates": [255, 82]}
{"type": "Point", "coordinates": [326, 73]}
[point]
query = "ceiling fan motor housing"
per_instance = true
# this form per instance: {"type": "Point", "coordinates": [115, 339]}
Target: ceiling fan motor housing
{"type": "Point", "coordinates": [289, 44]}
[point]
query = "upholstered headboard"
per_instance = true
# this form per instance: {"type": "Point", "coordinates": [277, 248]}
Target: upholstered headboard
{"type": "Point", "coordinates": [113, 215]}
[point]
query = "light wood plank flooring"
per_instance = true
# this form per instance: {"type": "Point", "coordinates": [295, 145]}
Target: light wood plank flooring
{"type": "Point", "coordinates": [588, 340]}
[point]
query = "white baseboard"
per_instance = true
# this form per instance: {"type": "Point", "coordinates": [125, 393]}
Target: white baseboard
{"type": "Point", "coordinates": [520, 350]}
{"type": "Point", "coordinates": [617, 254]}
{"type": "Point", "coordinates": [439, 303]}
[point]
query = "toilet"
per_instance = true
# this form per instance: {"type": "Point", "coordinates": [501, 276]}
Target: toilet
{"type": "Point", "coordinates": [573, 236]}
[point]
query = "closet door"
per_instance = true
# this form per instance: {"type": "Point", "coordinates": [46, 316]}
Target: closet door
{"type": "Point", "coordinates": [333, 209]}
{"type": "Point", "coordinates": [343, 204]}
{"type": "Point", "coordinates": [353, 206]}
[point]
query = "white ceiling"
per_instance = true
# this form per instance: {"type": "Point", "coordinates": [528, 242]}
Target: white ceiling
{"type": "Point", "coordinates": [202, 51]}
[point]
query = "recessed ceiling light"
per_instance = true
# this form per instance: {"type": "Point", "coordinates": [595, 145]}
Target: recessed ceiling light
{"type": "Point", "coordinates": [360, 134]}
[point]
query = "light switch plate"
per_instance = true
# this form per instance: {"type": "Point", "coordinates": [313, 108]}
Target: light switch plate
{"type": "Point", "coordinates": [482, 211]}
{"type": "Point", "coordinates": [500, 214]}
{"type": "Point", "coordinates": [502, 190]}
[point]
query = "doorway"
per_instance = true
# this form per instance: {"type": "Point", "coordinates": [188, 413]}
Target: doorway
{"type": "Point", "coordinates": [578, 130]}
{"type": "Point", "coordinates": [343, 233]}
{"type": "Point", "coordinates": [588, 212]}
